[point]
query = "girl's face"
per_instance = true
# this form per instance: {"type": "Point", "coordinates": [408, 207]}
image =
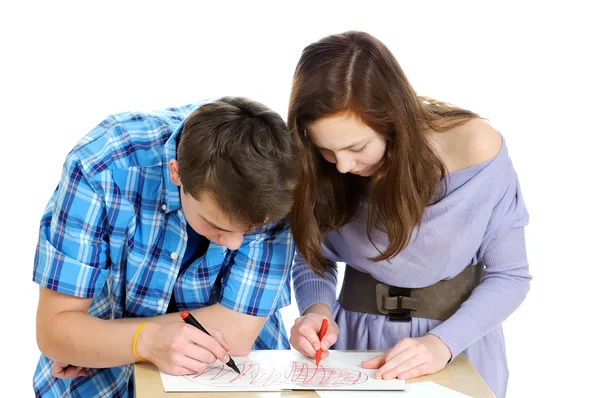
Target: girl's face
{"type": "Point", "coordinates": [348, 143]}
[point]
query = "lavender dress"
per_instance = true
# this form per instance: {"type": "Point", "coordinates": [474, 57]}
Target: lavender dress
{"type": "Point", "coordinates": [482, 217]}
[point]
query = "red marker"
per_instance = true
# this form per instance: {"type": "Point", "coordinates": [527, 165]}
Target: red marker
{"type": "Point", "coordinates": [190, 320]}
{"type": "Point", "coordinates": [321, 334]}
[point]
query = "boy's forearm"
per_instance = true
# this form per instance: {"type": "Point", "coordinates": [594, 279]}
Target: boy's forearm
{"type": "Point", "coordinates": [240, 330]}
{"type": "Point", "coordinates": [80, 339]}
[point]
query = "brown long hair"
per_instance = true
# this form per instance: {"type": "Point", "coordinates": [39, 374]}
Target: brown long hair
{"type": "Point", "coordinates": [354, 73]}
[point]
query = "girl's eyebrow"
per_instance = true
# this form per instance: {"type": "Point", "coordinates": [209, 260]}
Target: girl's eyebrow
{"type": "Point", "coordinates": [347, 147]}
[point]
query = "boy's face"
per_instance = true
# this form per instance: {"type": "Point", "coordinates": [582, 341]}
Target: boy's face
{"type": "Point", "coordinates": [205, 217]}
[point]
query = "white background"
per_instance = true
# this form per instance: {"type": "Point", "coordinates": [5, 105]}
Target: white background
{"type": "Point", "coordinates": [529, 68]}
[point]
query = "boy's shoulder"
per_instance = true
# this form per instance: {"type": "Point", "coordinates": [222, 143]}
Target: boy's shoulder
{"type": "Point", "coordinates": [129, 139]}
{"type": "Point", "coordinates": [169, 115]}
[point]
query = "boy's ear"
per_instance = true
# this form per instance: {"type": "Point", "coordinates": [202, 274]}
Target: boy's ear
{"type": "Point", "coordinates": [174, 172]}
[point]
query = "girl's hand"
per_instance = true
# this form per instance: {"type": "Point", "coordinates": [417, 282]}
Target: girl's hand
{"type": "Point", "coordinates": [411, 357]}
{"type": "Point", "coordinates": [305, 333]}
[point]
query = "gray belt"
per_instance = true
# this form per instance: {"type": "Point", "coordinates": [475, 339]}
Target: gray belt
{"type": "Point", "coordinates": [363, 293]}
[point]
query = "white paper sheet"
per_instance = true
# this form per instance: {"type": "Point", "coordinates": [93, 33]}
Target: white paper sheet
{"type": "Point", "coordinates": [276, 370]}
{"type": "Point", "coordinates": [426, 389]}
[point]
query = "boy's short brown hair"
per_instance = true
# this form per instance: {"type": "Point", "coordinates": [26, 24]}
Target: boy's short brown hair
{"type": "Point", "coordinates": [242, 154]}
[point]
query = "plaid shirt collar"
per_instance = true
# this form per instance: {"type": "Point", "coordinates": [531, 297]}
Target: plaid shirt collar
{"type": "Point", "coordinates": [173, 201]}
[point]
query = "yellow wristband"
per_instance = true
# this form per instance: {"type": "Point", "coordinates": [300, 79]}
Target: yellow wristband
{"type": "Point", "coordinates": [135, 339]}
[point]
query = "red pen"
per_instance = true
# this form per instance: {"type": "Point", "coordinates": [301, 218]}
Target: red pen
{"type": "Point", "coordinates": [321, 334]}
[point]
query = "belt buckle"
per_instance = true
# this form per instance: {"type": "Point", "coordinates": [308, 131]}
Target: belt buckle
{"type": "Point", "coordinates": [397, 314]}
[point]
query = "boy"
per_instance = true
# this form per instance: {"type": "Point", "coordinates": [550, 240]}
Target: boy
{"type": "Point", "coordinates": [180, 209]}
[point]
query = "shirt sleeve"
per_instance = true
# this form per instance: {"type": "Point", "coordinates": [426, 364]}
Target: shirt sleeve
{"type": "Point", "coordinates": [506, 279]}
{"type": "Point", "coordinates": [310, 288]}
{"type": "Point", "coordinates": [257, 278]}
{"type": "Point", "coordinates": [72, 251]}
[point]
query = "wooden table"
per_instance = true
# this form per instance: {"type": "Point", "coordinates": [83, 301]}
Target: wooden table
{"type": "Point", "coordinates": [459, 376]}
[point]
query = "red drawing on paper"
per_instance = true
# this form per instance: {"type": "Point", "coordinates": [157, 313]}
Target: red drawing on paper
{"type": "Point", "coordinates": [264, 374]}
{"type": "Point", "coordinates": [252, 374]}
{"type": "Point", "coordinates": [311, 375]}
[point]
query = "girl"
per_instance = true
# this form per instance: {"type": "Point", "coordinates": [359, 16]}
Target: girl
{"type": "Point", "coordinates": [420, 200]}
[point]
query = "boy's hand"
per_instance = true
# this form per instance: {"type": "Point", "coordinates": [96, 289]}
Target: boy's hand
{"type": "Point", "coordinates": [62, 370]}
{"type": "Point", "coordinates": [180, 349]}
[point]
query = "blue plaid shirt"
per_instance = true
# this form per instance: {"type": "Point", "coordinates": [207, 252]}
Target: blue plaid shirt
{"type": "Point", "coordinates": [114, 231]}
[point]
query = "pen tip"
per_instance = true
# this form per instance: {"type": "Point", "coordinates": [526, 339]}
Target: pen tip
{"type": "Point", "coordinates": [232, 365]}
